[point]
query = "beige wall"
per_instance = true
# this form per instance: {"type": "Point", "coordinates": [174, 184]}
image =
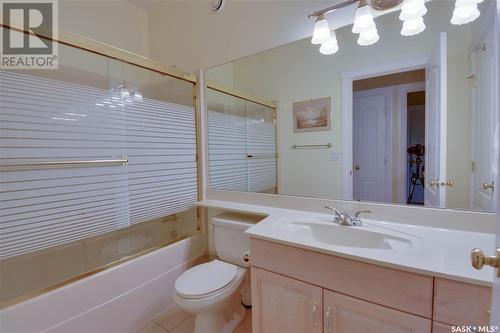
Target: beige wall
{"type": "Point", "coordinates": [114, 22]}
{"type": "Point", "coordinates": [297, 72]}
{"type": "Point", "coordinates": [191, 36]}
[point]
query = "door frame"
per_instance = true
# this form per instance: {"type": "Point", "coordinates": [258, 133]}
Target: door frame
{"type": "Point", "coordinates": [489, 24]}
{"type": "Point", "coordinates": [347, 78]}
{"type": "Point", "coordinates": [388, 93]}
{"type": "Point", "coordinates": [402, 91]}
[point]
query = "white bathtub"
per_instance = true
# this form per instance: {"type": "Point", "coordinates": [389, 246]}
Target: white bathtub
{"type": "Point", "coordinates": [120, 299]}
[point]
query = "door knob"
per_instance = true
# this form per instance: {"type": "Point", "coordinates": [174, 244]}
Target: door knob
{"type": "Point", "coordinates": [489, 186]}
{"type": "Point", "coordinates": [478, 259]}
{"type": "Point", "coordinates": [449, 183]}
{"type": "Point", "coordinates": [435, 182]}
{"type": "Point", "coordinates": [357, 167]}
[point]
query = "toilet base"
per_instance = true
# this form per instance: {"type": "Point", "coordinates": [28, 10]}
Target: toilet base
{"type": "Point", "coordinates": [222, 321]}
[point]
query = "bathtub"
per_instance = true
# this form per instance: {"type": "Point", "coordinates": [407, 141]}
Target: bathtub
{"type": "Point", "coordinates": [119, 299]}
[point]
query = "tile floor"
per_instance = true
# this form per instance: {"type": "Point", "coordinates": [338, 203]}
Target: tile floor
{"type": "Point", "coordinates": [175, 320]}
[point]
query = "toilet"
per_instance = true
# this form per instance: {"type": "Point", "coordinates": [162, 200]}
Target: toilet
{"type": "Point", "coordinates": [216, 291]}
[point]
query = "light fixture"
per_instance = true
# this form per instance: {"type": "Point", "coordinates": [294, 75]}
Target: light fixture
{"type": "Point", "coordinates": [321, 31]}
{"type": "Point", "coordinates": [465, 11]}
{"type": "Point", "coordinates": [412, 9]}
{"type": "Point", "coordinates": [413, 26]}
{"type": "Point", "coordinates": [412, 13]}
{"type": "Point", "coordinates": [364, 25]}
{"type": "Point", "coordinates": [330, 46]}
{"type": "Point", "coordinates": [368, 37]}
{"type": "Point", "coordinates": [363, 19]}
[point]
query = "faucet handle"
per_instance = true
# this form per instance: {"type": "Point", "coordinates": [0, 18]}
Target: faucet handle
{"type": "Point", "coordinates": [340, 216]}
{"type": "Point", "coordinates": [362, 212]}
{"type": "Point", "coordinates": [337, 211]}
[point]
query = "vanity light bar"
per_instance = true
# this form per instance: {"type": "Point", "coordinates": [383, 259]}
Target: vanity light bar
{"type": "Point", "coordinates": [330, 9]}
{"type": "Point", "coordinates": [412, 12]}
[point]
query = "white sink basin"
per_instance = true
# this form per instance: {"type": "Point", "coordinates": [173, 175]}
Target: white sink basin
{"type": "Point", "coordinates": [326, 232]}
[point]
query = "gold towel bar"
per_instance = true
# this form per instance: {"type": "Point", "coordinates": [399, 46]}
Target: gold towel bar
{"type": "Point", "coordinates": [123, 161]}
{"type": "Point", "coordinates": [327, 145]}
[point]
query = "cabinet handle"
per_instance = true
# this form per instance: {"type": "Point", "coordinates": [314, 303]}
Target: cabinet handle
{"type": "Point", "coordinates": [315, 314]}
{"type": "Point", "coordinates": [328, 320]}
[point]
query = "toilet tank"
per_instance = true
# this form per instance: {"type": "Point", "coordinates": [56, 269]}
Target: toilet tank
{"type": "Point", "coordinates": [230, 241]}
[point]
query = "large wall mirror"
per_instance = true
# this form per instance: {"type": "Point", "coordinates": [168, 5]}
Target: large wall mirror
{"type": "Point", "coordinates": [407, 120]}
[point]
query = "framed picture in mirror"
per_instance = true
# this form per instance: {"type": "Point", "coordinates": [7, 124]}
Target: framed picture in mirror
{"type": "Point", "coordinates": [312, 115]}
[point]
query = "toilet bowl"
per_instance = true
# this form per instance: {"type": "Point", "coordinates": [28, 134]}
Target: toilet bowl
{"type": "Point", "coordinates": [213, 291]}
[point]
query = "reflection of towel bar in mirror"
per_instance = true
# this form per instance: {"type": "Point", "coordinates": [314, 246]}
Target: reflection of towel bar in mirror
{"type": "Point", "coordinates": [123, 161]}
{"type": "Point", "coordinates": [260, 157]}
{"type": "Point", "coordinates": [327, 145]}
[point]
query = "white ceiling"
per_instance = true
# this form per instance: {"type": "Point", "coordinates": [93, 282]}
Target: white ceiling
{"type": "Point", "coordinates": [147, 5]}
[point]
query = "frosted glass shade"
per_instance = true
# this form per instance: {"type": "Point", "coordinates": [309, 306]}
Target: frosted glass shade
{"type": "Point", "coordinates": [363, 20]}
{"type": "Point", "coordinates": [465, 12]}
{"type": "Point", "coordinates": [330, 46]}
{"type": "Point", "coordinates": [321, 31]}
{"type": "Point", "coordinates": [368, 37]}
{"type": "Point", "coordinates": [413, 27]}
{"type": "Point", "coordinates": [412, 9]}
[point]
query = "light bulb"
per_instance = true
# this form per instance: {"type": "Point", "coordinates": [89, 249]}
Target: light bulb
{"type": "Point", "coordinates": [330, 46]}
{"type": "Point", "coordinates": [321, 31]}
{"type": "Point", "coordinates": [368, 37]}
{"type": "Point", "coordinates": [363, 20]}
{"type": "Point", "coordinates": [413, 27]}
{"type": "Point", "coordinates": [412, 9]}
{"type": "Point", "coordinates": [465, 12]}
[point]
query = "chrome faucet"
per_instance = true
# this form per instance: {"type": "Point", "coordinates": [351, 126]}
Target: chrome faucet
{"type": "Point", "coordinates": [343, 218]}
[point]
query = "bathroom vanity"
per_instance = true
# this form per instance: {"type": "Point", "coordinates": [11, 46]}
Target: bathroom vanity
{"type": "Point", "coordinates": [297, 290]}
{"type": "Point", "coordinates": [309, 274]}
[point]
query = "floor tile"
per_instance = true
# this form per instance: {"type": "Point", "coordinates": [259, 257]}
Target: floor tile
{"type": "Point", "coordinates": [177, 321]}
{"type": "Point", "coordinates": [171, 318]}
{"type": "Point", "coordinates": [246, 324]}
{"type": "Point", "coordinates": [152, 327]}
{"type": "Point", "coordinates": [187, 326]}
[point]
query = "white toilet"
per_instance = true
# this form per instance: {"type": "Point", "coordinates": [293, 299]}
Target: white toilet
{"type": "Point", "coordinates": [213, 291]}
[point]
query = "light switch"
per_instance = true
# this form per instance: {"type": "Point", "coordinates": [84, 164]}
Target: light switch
{"type": "Point", "coordinates": [334, 155]}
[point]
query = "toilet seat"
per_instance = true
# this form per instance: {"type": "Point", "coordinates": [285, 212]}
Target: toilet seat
{"type": "Point", "coordinates": [204, 280]}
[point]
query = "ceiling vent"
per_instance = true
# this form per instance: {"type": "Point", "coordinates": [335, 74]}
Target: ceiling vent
{"type": "Point", "coordinates": [218, 5]}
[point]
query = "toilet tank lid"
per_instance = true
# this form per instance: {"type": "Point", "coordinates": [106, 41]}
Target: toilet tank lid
{"type": "Point", "coordinates": [236, 220]}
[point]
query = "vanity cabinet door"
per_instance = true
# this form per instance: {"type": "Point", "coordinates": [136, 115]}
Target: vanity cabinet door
{"type": "Point", "coordinates": [282, 304]}
{"type": "Point", "coordinates": [459, 303]}
{"type": "Point", "coordinates": [344, 314]}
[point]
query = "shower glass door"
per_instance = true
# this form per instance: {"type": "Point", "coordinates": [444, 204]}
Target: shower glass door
{"type": "Point", "coordinates": [97, 164]}
{"type": "Point", "coordinates": [241, 144]}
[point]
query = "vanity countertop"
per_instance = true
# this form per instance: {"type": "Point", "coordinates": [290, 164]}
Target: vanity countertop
{"type": "Point", "coordinates": [420, 249]}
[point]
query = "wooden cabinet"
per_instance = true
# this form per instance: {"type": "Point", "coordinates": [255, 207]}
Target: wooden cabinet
{"type": "Point", "coordinates": [405, 291]}
{"type": "Point", "coordinates": [440, 328]}
{"type": "Point", "coordinates": [460, 303]}
{"type": "Point", "coordinates": [281, 304]}
{"type": "Point", "coordinates": [344, 314]}
{"type": "Point", "coordinates": [297, 290]}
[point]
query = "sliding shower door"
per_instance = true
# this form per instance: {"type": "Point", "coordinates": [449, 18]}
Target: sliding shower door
{"type": "Point", "coordinates": [97, 164]}
{"type": "Point", "coordinates": [241, 144]}
{"type": "Point", "coordinates": [261, 148]}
